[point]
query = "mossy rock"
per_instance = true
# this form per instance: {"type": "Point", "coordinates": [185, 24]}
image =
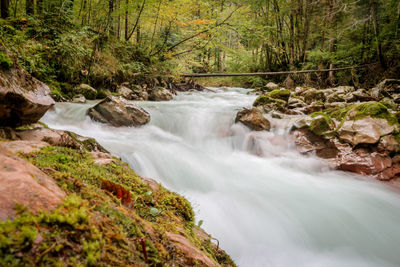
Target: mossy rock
{"type": "Point", "coordinates": [265, 99]}
{"type": "Point", "coordinates": [87, 91]}
{"type": "Point", "coordinates": [93, 227]}
{"type": "Point", "coordinates": [321, 123]}
{"type": "Point", "coordinates": [282, 94]}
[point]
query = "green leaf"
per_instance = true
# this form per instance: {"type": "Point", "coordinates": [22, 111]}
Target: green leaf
{"type": "Point", "coordinates": [154, 212]}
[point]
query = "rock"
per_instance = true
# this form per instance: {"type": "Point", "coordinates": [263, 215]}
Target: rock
{"type": "Point", "coordinates": [269, 104]}
{"type": "Point", "coordinates": [307, 142]}
{"type": "Point", "coordinates": [139, 93]}
{"type": "Point", "coordinates": [295, 103]}
{"type": "Point", "coordinates": [364, 162]}
{"type": "Point", "coordinates": [253, 119]}
{"type": "Point", "coordinates": [300, 90]}
{"type": "Point", "coordinates": [125, 92]}
{"type": "Point", "coordinates": [160, 94]}
{"type": "Point", "coordinates": [385, 89]}
{"type": "Point", "coordinates": [87, 91]}
{"type": "Point", "coordinates": [23, 146]}
{"type": "Point", "coordinates": [271, 86]}
{"type": "Point", "coordinates": [359, 95]}
{"type": "Point", "coordinates": [79, 99]}
{"type": "Point", "coordinates": [59, 138]}
{"type": "Point", "coordinates": [191, 253]}
{"type": "Point", "coordinates": [23, 99]}
{"type": "Point", "coordinates": [389, 143]}
{"type": "Point", "coordinates": [313, 95]}
{"type": "Point", "coordinates": [364, 131]}
{"type": "Point", "coordinates": [101, 158]}
{"type": "Point", "coordinates": [289, 83]}
{"type": "Point", "coordinates": [118, 112]}
{"type": "Point", "coordinates": [321, 124]}
{"type": "Point", "coordinates": [282, 94]}
{"type": "Point", "coordinates": [23, 183]}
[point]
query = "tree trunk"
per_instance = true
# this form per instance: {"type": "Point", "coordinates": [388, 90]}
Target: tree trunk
{"type": "Point", "coordinates": [29, 7]}
{"type": "Point", "coordinates": [5, 4]}
{"type": "Point", "coordinates": [373, 10]}
{"type": "Point", "coordinates": [126, 19]}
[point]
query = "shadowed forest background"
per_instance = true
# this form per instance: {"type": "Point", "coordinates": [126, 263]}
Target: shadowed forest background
{"type": "Point", "coordinates": [108, 42]}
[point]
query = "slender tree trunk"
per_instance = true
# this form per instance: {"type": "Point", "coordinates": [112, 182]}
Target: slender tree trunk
{"type": "Point", "coordinates": [373, 10]}
{"type": "Point", "coordinates": [5, 4]}
{"type": "Point", "coordinates": [29, 5]}
{"type": "Point", "coordinates": [126, 18]}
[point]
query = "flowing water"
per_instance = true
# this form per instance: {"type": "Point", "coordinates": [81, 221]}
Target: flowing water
{"type": "Point", "coordinates": [266, 204]}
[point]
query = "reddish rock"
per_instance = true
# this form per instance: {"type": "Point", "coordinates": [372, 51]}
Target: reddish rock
{"type": "Point", "coordinates": [23, 183]}
{"type": "Point", "coordinates": [253, 119]}
{"type": "Point", "coordinates": [193, 255]}
{"type": "Point", "coordinates": [23, 99]}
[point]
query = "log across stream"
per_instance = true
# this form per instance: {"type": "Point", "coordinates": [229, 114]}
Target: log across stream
{"type": "Point", "coordinates": [281, 209]}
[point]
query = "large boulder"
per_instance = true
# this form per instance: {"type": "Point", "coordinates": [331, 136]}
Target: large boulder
{"type": "Point", "coordinates": [364, 131]}
{"type": "Point", "coordinates": [118, 112]}
{"type": "Point", "coordinates": [24, 184]}
{"type": "Point", "coordinates": [23, 99]}
{"type": "Point", "coordinates": [160, 94]}
{"type": "Point", "coordinates": [253, 119]}
{"type": "Point", "coordinates": [86, 90]}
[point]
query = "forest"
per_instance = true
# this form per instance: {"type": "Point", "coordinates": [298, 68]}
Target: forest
{"type": "Point", "coordinates": [108, 42]}
{"type": "Point", "coordinates": [200, 133]}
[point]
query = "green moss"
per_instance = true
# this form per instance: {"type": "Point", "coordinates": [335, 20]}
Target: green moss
{"type": "Point", "coordinates": [375, 110]}
{"type": "Point", "coordinates": [265, 99]}
{"type": "Point", "coordinates": [92, 227]}
{"type": "Point", "coordinates": [280, 94]}
{"type": "Point", "coordinates": [5, 61]}
{"type": "Point", "coordinates": [321, 123]}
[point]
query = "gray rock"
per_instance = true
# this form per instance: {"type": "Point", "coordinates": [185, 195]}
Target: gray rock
{"type": "Point", "coordinates": [160, 94]}
{"type": "Point", "coordinates": [79, 99]}
{"type": "Point", "coordinates": [118, 112]}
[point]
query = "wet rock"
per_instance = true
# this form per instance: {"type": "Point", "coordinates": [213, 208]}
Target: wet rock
{"type": "Point", "coordinates": [295, 103]}
{"type": "Point", "coordinates": [364, 131]}
{"type": "Point", "coordinates": [282, 94]}
{"type": "Point", "coordinates": [23, 183]}
{"type": "Point", "coordinates": [118, 112]}
{"type": "Point", "coordinates": [321, 124]}
{"type": "Point", "coordinates": [365, 162]}
{"type": "Point", "coordinates": [23, 99]}
{"type": "Point", "coordinates": [86, 90]}
{"type": "Point", "coordinates": [125, 92]}
{"type": "Point", "coordinates": [160, 94]}
{"type": "Point", "coordinates": [139, 93]}
{"type": "Point", "coordinates": [386, 88]}
{"type": "Point", "coordinates": [360, 95]}
{"type": "Point", "coordinates": [79, 99]}
{"type": "Point", "coordinates": [313, 95]}
{"type": "Point", "coordinates": [253, 119]}
{"type": "Point", "coordinates": [389, 143]}
{"type": "Point", "coordinates": [307, 142]}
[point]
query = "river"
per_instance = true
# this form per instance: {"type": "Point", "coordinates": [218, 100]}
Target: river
{"type": "Point", "coordinates": [266, 204]}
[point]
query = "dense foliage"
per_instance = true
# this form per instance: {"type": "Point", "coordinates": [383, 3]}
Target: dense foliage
{"type": "Point", "coordinates": [106, 42]}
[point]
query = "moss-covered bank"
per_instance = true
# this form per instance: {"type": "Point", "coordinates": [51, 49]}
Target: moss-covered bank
{"type": "Point", "coordinates": [111, 217]}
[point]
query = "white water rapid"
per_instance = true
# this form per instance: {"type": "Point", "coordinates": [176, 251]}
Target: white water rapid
{"type": "Point", "coordinates": [281, 209]}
